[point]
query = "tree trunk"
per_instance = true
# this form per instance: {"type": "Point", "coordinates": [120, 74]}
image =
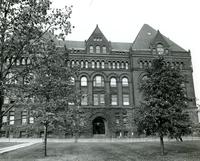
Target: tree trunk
{"type": "Point", "coordinates": [1, 106]}
{"type": "Point", "coordinates": [45, 139]}
{"type": "Point", "coordinates": [162, 144]}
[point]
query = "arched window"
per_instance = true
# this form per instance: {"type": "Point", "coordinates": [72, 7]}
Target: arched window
{"type": "Point", "coordinates": [122, 65]}
{"type": "Point", "coordinates": [91, 49]}
{"type": "Point", "coordinates": [72, 63]}
{"type": "Point", "coordinates": [124, 82]}
{"type": "Point", "coordinates": [109, 65]}
{"type": "Point", "coordinates": [23, 61]}
{"type": "Point", "coordinates": [82, 64]}
{"type": "Point", "coordinates": [98, 49]}
{"type": "Point", "coordinates": [160, 49]}
{"type": "Point", "coordinates": [18, 62]}
{"type": "Point", "coordinates": [83, 81]}
{"type": "Point", "coordinates": [126, 65]}
{"type": "Point", "coordinates": [98, 81]}
{"type": "Point", "coordinates": [98, 64]}
{"type": "Point", "coordinates": [113, 65]}
{"type": "Point", "coordinates": [104, 49]}
{"type": "Point", "coordinates": [93, 64]}
{"type": "Point", "coordinates": [113, 82]}
{"type": "Point", "coordinates": [102, 65]}
{"type": "Point", "coordinates": [86, 64]}
{"type": "Point", "coordinates": [28, 61]}
{"type": "Point", "coordinates": [118, 66]}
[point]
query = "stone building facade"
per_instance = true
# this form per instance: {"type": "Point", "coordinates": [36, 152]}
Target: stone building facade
{"type": "Point", "coordinates": [110, 76]}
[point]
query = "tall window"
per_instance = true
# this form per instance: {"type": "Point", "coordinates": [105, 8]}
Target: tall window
{"type": "Point", "coordinates": [102, 65]}
{"type": "Point", "coordinates": [113, 99]}
{"type": "Point", "coordinates": [98, 64]}
{"type": "Point", "coordinates": [113, 82]}
{"type": "Point", "coordinates": [23, 61]}
{"type": "Point", "coordinates": [82, 64]}
{"type": "Point", "coordinates": [86, 64]}
{"type": "Point", "coordinates": [122, 65]}
{"type": "Point", "coordinates": [98, 49]}
{"type": "Point", "coordinates": [113, 65]}
{"type": "Point", "coordinates": [5, 118]}
{"type": "Point", "coordinates": [126, 65]}
{"type": "Point", "coordinates": [118, 66]}
{"type": "Point", "coordinates": [31, 119]}
{"type": "Point", "coordinates": [98, 81]}
{"type": "Point", "coordinates": [126, 99]}
{"type": "Point", "coordinates": [72, 63]}
{"type": "Point", "coordinates": [124, 82]}
{"type": "Point", "coordinates": [109, 65]}
{"type": "Point", "coordinates": [93, 64]}
{"type": "Point", "coordinates": [91, 49]}
{"type": "Point", "coordinates": [24, 117]}
{"type": "Point", "coordinates": [83, 81]}
{"type": "Point", "coordinates": [160, 49]}
{"type": "Point", "coordinates": [98, 99]}
{"type": "Point", "coordinates": [11, 117]}
{"type": "Point", "coordinates": [104, 49]}
{"type": "Point", "coordinates": [28, 61]}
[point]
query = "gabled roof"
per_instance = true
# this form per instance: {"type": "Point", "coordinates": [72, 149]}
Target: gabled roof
{"type": "Point", "coordinates": [120, 46]}
{"type": "Point", "coordinates": [72, 44]}
{"type": "Point", "coordinates": [97, 32]}
{"type": "Point", "coordinates": [146, 36]}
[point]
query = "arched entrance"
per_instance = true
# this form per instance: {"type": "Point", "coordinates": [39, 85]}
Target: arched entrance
{"type": "Point", "coordinates": [99, 126]}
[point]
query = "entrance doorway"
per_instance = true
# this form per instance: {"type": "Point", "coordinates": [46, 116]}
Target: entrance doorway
{"type": "Point", "coordinates": [98, 126]}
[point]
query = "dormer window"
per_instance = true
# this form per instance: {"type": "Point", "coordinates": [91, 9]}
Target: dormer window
{"type": "Point", "coordinates": [91, 49]}
{"type": "Point", "coordinates": [160, 49]}
{"type": "Point", "coordinates": [97, 49]}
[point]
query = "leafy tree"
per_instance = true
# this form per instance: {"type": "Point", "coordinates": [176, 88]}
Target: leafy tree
{"type": "Point", "coordinates": [52, 87]}
{"type": "Point", "coordinates": [163, 111]}
{"type": "Point", "coordinates": [23, 26]}
{"type": "Point", "coordinates": [71, 119]}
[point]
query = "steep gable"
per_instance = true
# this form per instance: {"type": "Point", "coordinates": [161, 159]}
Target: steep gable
{"type": "Point", "coordinates": [147, 35]}
{"type": "Point", "coordinates": [97, 42]}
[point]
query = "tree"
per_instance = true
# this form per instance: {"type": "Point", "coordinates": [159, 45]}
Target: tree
{"type": "Point", "coordinates": [23, 25]}
{"type": "Point", "coordinates": [164, 109]}
{"type": "Point", "coordinates": [52, 87]}
{"type": "Point", "coordinates": [71, 119]}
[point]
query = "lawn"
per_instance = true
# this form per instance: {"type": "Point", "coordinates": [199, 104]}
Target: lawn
{"type": "Point", "coordinates": [150, 151]}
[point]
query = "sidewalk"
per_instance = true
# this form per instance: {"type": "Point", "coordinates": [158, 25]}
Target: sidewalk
{"type": "Point", "coordinates": [30, 141]}
{"type": "Point", "coordinates": [14, 147]}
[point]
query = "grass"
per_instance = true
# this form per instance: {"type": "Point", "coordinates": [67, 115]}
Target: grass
{"type": "Point", "coordinates": [7, 144]}
{"type": "Point", "coordinates": [150, 151]}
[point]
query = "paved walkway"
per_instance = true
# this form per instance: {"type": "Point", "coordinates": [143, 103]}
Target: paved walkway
{"type": "Point", "coordinates": [30, 141]}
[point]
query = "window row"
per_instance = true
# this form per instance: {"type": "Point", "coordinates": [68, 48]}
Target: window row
{"type": "Point", "coordinates": [121, 118]}
{"type": "Point", "coordinates": [99, 99]}
{"type": "Point", "coordinates": [160, 50]}
{"type": "Point", "coordinates": [22, 61]}
{"type": "Point", "coordinates": [97, 49]}
{"type": "Point", "coordinates": [25, 118]}
{"type": "Point", "coordinates": [145, 64]}
{"type": "Point", "coordinates": [99, 81]}
{"type": "Point", "coordinates": [99, 64]}
{"type": "Point", "coordinates": [11, 78]}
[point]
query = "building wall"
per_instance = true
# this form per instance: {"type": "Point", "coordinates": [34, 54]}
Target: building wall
{"type": "Point", "coordinates": [128, 62]}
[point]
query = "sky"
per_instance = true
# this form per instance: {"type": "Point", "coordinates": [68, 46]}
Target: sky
{"type": "Point", "coordinates": [121, 20]}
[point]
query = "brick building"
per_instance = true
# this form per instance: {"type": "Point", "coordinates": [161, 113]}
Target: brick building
{"type": "Point", "coordinates": [110, 76]}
